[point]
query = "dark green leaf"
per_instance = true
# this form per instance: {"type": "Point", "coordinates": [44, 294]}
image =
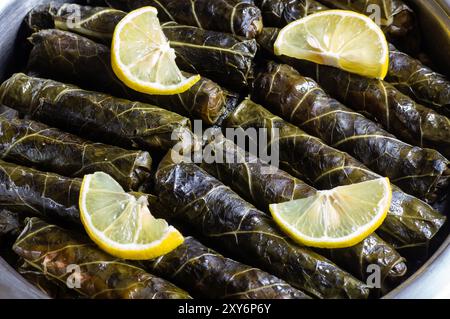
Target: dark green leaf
{"type": "Point", "coordinates": [423, 173]}
{"type": "Point", "coordinates": [278, 13]}
{"type": "Point", "coordinates": [220, 56]}
{"type": "Point", "coordinates": [418, 81]}
{"type": "Point", "coordinates": [207, 273]}
{"type": "Point", "coordinates": [93, 115]}
{"type": "Point", "coordinates": [239, 17]}
{"type": "Point", "coordinates": [74, 59]}
{"type": "Point", "coordinates": [217, 213]}
{"type": "Point", "coordinates": [34, 144]}
{"type": "Point", "coordinates": [378, 100]}
{"type": "Point", "coordinates": [48, 195]}
{"type": "Point", "coordinates": [410, 221]}
{"type": "Point", "coordinates": [51, 250]}
{"type": "Point", "coordinates": [262, 185]}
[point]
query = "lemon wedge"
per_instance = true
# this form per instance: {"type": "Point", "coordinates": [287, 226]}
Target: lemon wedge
{"type": "Point", "coordinates": [121, 224]}
{"type": "Point", "coordinates": [142, 58]}
{"type": "Point", "coordinates": [337, 218]}
{"type": "Point", "coordinates": [343, 39]}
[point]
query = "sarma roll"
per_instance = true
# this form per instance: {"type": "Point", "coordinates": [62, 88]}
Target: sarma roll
{"type": "Point", "coordinates": [220, 56]}
{"type": "Point", "coordinates": [201, 202]}
{"type": "Point", "coordinates": [94, 115]}
{"type": "Point", "coordinates": [262, 185]}
{"type": "Point", "coordinates": [410, 221]}
{"type": "Point", "coordinates": [278, 13]}
{"type": "Point", "coordinates": [397, 19]}
{"type": "Point", "coordinates": [207, 273]}
{"type": "Point", "coordinates": [31, 143]}
{"type": "Point", "coordinates": [51, 287]}
{"type": "Point", "coordinates": [239, 17]}
{"type": "Point", "coordinates": [31, 192]}
{"type": "Point", "coordinates": [54, 251]}
{"type": "Point", "coordinates": [423, 173]}
{"type": "Point", "coordinates": [418, 81]}
{"type": "Point", "coordinates": [378, 100]}
{"type": "Point", "coordinates": [71, 58]}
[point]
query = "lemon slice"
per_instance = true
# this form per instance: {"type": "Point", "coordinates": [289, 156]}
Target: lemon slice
{"type": "Point", "coordinates": [336, 218]}
{"type": "Point", "coordinates": [343, 39]}
{"type": "Point", "coordinates": [121, 224]}
{"type": "Point", "coordinates": [142, 58]}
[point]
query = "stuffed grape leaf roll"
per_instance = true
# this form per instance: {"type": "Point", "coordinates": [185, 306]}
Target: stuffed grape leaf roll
{"type": "Point", "coordinates": [207, 273]}
{"type": "Point", "coordinates": [378, 100]}
{"type": "Point", "coordinates": [51, 196]}
{"type": "Point", "coordinates": [31, 143]}
{"type": "Point", "coordinates": [48, 285]}
{"type": "Point", "coordinates": [96, 115]}
{"type": "Point", "coordinates": [200, 201]}
{"type": "Point", "coordinates": [396, 18]}
{"type": "Point", "coordinates": [220, 56]}
{"type": "Point", "coordinates": [409, 222]}
{"type": "Point", "coordinates": [71, 58]}
{"type": "Point", "coordinates": [418, 81]}
{"type": "Point", "coordinates": [52, 250]}
{"type": "Point", "coordinates": [262, 184]}
{"type": "Point", "coordinates": [278, 13]}
{"type": "Point", "coordinates": [239, 17]}
{"type": "Point", "coordinates": [423, 173]}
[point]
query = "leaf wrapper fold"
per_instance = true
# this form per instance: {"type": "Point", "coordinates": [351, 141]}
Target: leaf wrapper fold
{"type": "Point", "coordinates": [214, 211]}
{"type": "Point", "coordinates": [96, 115]}
{"type": "Point", "coordinates": [424, 173]}
{"type": "Point", "coordinates": [52, 250]}
{"type": "Point", "coordinates": [262, 185]}
{"type": "Point", "coordinates": [410, 221]}
{"type": "Point", "coordinates": [279, 13]}
{"type": "Point", "coordinates": [220, 56]}
{"type": "Point", "coordinates": [418, 81]}
{"type": "Point", "coordinates": [207, 273]}
{"type": "Point", "coordinates": [71, 58]}
{"type": "Point", "coordinates": [192, 265]}
{"type": "Point", "coordinates": [239, 17]}
{"type": "Point", "coordinates": [376, 99]}
{"type": "Point", "coordinates": [33, 144]}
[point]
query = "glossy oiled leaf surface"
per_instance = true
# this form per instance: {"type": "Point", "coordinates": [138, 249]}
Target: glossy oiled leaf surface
{"type": "Point", "coordinates": [378, 100]}
{"type": "Point", "coordinates": [37, 145]}
{"type": "Point", "coordinates": [262, 185]}
{"type": "Point", "coordinates": [239, 17]}
{"type": "Point", "coordinates": [206, 273]}
{"type": "Point", "coordinates": [28, 191]}
{"type": "Point", "coordinates": [410, 221]}
{"type": "Point", "coordinates": [421, 172]}
{"type": "Point", "coordinates": [50, 249]}
{"type": "Point", "coordinates": [418, 81]}
{"type": "Point", "coordinates": [68, 57]}
{"type": "Point", "coordinates": [217, 213]}
{"type": "Point", "coordinates": [397, 19]}
{"type": "Point", "coordinates": [221, 56]}
{"type": "Point", "coordinates": [192, 265]}
{"type": "Point", "coordinates": [53, 288]}
{"type": "Point", "coordinates": [278, 13]}
{"type": "Point", "coordinates": [94, 115]}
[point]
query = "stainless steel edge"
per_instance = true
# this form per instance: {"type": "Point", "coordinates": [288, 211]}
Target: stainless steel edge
{"type": "Point", "coordinates": [14, 286]}
{"type": "Point", "coordinates": [431, 281]}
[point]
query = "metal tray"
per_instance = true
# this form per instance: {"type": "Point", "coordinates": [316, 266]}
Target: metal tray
{"type": "Point", "coordinates": [431, 281]}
